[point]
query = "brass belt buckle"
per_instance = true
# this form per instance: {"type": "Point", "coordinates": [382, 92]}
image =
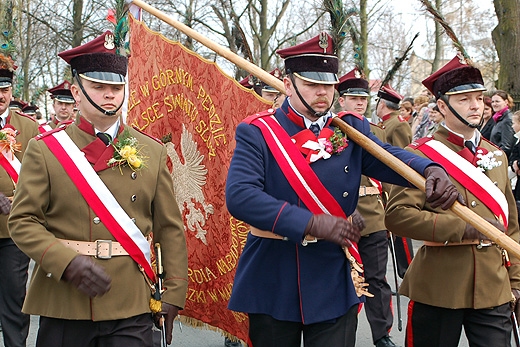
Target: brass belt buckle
{"type": "Point", "coordinates": [484, 244]}
{"type": "Point", "coordinates": [98, 251]}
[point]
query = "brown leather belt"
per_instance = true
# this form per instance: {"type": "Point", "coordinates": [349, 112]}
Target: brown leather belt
{"type": "Point", "coordinates": [101, 249]}
{"type": "Point", "coordinates": [367, 191]}
{"type": "Point", "coordinates": [270, 235]}
{"type": "Point", "coordinates": [479, 243]}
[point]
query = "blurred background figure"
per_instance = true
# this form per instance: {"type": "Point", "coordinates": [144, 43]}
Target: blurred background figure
{"type": "Point", "coordinates": [436, 118]}
{"type": "Point", "coordinates": [487, 122]}
{"type": "Point", "coordinates": [502, 133]}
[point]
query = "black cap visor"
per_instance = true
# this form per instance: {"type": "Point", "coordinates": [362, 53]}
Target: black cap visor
{"type": "Point", "coordinates": [466, 88]}
{"type": "Point", "coordinates": [318, 77]}
{"type": "Point", "coordinates": [103, 77]}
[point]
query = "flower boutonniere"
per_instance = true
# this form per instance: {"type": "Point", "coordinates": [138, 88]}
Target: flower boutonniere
{"type": "Point", "coordinates": [127, 152]}
{"type": "Point", "coordinates": [488, 161]}
{"type": "Point", "coordinates": [8, 140]}
{"type": "Point", "coordinates": [337, 142]}
{"type": "Point", "coordinates": [326, 147]}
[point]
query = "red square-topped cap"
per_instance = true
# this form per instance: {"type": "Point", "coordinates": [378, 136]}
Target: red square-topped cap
{"type": "Point", "coordinates": [390, 94]}
{"type": "Point", "coordinates": [62, 92]}
{"type": "Point", "coordinates": [7, 68]}
{"type": "Point", "coordinates": [97, 60]}
{"type": "Point", "coordinates": [456, 77]}
{"type": "Point", "coordinates": [353, 84]}
{"type": "Point", "coordinates": [313, 60]}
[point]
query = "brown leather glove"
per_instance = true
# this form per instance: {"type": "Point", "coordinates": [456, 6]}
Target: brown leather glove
{"type": "Point", "coordinates": [515, 306]}
{"type": "Point", "coordinates": [358, 221]}
{"type": "Point", "coordinates": [333, 229]}
{"type": "Point", "coordinates": [470, 233]}
{"type": "Point", "coordinates": [439, 189]}
{"type": "Point", "coordinates": [168, 312]}
{"type": "Point", "coordinates": [5, 204]}
{"type": "Point", "coordinates": [90, 278]}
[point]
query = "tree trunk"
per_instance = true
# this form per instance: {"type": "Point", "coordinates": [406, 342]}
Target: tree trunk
{"type": "Point", "coordinates": [437, 60]}
{"type": "Point", "coordinates": [77, 25]}
{"type": "Point", "coordinates": [506, 37]}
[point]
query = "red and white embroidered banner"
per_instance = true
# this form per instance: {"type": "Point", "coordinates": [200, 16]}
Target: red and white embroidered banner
{"type": "Point", "coordinates": [194, 107]}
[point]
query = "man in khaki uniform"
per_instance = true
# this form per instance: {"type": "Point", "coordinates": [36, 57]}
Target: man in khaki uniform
{"type": "Point", "coordinates": [86, 287]}
{"type": "Point", "coordinates": [397, 129]}
{"type": "Point", "coordinates": [63, 104]}
{"type": "Point", "coordinates": [373, 245]}
{"type": "Point", "coordinates": [398, 133]}
{"type": "Point", "coordinates": [458, 278]}
{"type": "Point", "coordinates": [13, 263]}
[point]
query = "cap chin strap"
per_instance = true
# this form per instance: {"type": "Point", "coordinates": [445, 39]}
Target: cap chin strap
{"type": "Point", "coordinates": [309, 108]}
{"type": "Point", "coordinates": [459, 117]}
{"type": "Point", "coordinates": [99, 108]}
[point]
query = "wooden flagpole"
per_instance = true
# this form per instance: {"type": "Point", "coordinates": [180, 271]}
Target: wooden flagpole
{"type": "Point", "coordinates": [388, 159]}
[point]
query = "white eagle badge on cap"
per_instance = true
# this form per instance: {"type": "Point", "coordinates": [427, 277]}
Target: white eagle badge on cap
{"type": "Point", "coordinates": [324, 41]}
{"type": "Point", "coordinates": [109, 42]}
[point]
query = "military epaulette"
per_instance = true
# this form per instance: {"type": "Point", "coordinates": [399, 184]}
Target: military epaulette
{"type": "Point", "coordinates": [350, 113]}
{"type": "Point", "coordinates": [491, 143]}
{"type": "Point", "coordinates": [150, 136]}
{"type": "Point", "coordinates": [50, 132]}
{"type": "Point", "coordinates": [379, 125]}
{"type": "Point", "coordinates": [20, 113]}
{"type": "Point", "coordinates": [266, 113]}
{"type": "Point", "coordinates": [419, 142]}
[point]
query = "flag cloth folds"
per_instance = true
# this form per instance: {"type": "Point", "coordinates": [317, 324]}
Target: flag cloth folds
{"type": "Point", "coordinates": [191, 105]}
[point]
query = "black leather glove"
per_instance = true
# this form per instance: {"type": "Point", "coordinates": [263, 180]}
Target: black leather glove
{"type": "Point", "coordinates": [470, 233]}
{"type": "Point", "coordinates": [358, 221]}
{"type": "Point", "coordinates": [333, 229]}
{"type": "Point", "coordinates": [166, 316]}
{"type": "Point", "coordinates": [5, 204]}
{"type": "Point", "coordinates": [439, 189]}
{"type": "Point", "coordinates": [90, 278]}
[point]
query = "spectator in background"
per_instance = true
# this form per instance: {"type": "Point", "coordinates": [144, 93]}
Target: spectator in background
{"type": "Point", "coordinates": [436, 117]}
{"type": "Point", "coordinates": [406, 110]}
{"type": "Point", "coordinates": [422, 123]}
{"type": "Point", "coordinates": [502, 133]}
{"type": "Point", "coordinates": [515, 154]}
{"type": "Point", "coordinates": [487, 120]}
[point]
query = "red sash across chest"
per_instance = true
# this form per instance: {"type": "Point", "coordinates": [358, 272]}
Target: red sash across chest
{"type": "Point", "coordinates": [469, 176]}
{"type": "Point", "coordinates": [298, 172]}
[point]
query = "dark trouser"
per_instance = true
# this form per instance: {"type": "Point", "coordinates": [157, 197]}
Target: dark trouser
{"type": "Point", "coordinates": [265, 331]}
{"type": "Point", "coordinates": [430, 326]}
{"type": "Point", "coordinates": [130, 332]}
{"type": "Point", "coordinates": [14, 265]}
{"type": "Point", "coordinates": [374, 254]}
{"type": "Point", "coordinates": [403, 254]}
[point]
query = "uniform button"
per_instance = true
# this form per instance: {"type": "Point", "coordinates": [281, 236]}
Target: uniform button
{"type": "Point", "coordinates": [133, 198]}
{"type": "Point", "coordinates": [346, 169]}
{"type": "Point", "coordinates": [345, 194]}
{"type": "Point", "coordinates": [496, 183]}
{"type": "Point", "coordinates": [134, 175]}
{"type": "Point", "coordinates": [133, 220]}
{"type": "Point", "coordinates": [49, 275]}
{"type": "Point", "coordinates": [473, 204]}
{"type": "Point", "coordinates": [96, 220]}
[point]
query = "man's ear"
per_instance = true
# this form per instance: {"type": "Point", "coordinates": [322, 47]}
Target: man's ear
{"type": "Point", "coordinates": [287, 83]}
{"type": "Point", "coordinates": [442, 106]}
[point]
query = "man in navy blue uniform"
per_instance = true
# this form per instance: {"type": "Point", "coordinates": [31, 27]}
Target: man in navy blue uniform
{"type": "Point", "coordinates": [294, 179]}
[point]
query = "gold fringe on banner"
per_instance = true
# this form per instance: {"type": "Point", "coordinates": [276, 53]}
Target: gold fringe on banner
{"type": "Point", "coordinates": [195, 323]}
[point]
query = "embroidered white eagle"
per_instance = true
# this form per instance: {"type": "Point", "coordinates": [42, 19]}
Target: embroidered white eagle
{"type": "Point", "coordinates": [189, 176]}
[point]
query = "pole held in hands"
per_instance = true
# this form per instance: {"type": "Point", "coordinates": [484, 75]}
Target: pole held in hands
{"type": "Point", "coordinates": [398, 166]}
